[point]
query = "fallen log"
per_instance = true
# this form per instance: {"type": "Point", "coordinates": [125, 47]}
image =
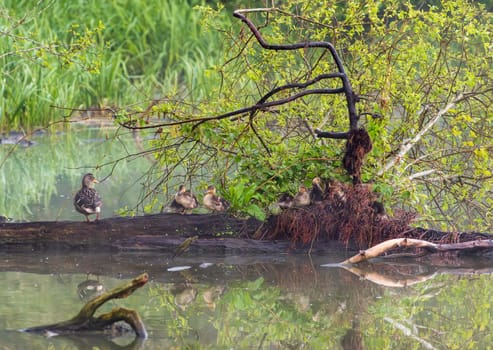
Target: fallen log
{"type": "Point", "coordinates": [163, 232]}
{"type": "Point", "coordinates": [85, 322]}
{"type": "Point", "coordinates": [311, 229]}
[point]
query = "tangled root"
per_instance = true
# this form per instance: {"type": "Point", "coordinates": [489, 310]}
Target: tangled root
{"type": "Point", "coordinates": [348, 213]}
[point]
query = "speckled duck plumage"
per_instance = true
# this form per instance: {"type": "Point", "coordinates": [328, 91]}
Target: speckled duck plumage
{"type": "Point", "coordinates": [213, 201]}
{"type": "Point", "coordinates": [184, 200]}
{"type": "Point", "coordinates": [87, 200]}
{"type": "Point", "coordinates": [302, 198]}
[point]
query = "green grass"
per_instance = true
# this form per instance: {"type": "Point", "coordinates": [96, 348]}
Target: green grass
{"type": "Point", "coordinates": [87, 53]}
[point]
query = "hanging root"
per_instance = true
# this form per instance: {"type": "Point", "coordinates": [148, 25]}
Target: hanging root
{"type": "Point", "coordinates": [358, 145]}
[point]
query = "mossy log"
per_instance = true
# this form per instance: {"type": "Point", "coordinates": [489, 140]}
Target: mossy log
{"type": "Point", "coordinates": [85, 321]}
{"type": "Point", "coordinates": [158, 232]}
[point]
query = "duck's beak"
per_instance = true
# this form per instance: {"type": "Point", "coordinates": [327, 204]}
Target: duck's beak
{"type": "Point", "coordinates": [95, 181]}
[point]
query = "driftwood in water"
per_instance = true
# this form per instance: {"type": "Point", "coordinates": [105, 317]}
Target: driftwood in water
{"type": "Point", "coordinates": [384, 247]}
{"type": "Point", "coordinates": [85, 321]}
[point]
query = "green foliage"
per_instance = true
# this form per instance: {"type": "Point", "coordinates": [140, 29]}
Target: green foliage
{"type": "Point", "coordinates": [240, 196]}
{"type": "Point", "coordinates": [426, 70]}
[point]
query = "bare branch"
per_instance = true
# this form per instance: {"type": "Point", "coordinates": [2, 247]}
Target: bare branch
{"type": "Point", "coordinates": [407, 145]}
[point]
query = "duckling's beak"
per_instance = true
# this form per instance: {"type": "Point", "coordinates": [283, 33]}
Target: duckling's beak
{"type": "Point", "coordinates": [95, 181]}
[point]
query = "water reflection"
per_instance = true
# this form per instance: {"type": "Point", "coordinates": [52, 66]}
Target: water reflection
{"type": "Point", "coordinates": [283, 302]}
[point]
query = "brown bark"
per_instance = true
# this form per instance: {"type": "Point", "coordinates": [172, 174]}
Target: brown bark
{"type": "Point", "coordinates": [150, 232]}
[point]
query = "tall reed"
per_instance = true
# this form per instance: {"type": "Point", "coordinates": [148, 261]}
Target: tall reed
{"type": "Point", "coordinates": [86, 53]}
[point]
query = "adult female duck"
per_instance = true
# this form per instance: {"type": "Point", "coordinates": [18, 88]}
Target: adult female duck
{"type": "Point", "coordinates": [87, 200]}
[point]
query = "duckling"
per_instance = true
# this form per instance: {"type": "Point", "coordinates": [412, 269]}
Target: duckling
{"type": "Point", "coordinates": [184, 200]}
{"type": "Point", "coordinates": [316, 193]}
{"type": "Point", "coordinates": [335, 191]}
{"type": "Point", "coordinates": [302, 198]}
{"type": "Point", "coordinates": [379, 211]}
{"type": "Point", "coordinates": [285, 201]}
{"type": "Point", "coordinates": [214, 202]}
{"type": "Point", "coordinates": [87, 200]}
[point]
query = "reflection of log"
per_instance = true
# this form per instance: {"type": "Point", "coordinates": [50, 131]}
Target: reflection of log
{"type": "Point", "coordinates": [84, 320]}
{"type": "Point", "coordinates": [383, 247]}
{"type": "Point", "coordinates": [388, 280]}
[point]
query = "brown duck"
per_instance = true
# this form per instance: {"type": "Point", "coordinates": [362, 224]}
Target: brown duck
{"type": "Point", "coordinates": [316, 193]}
{"type": "Point", "coordinates": [184, 200]}
{"type": "Point", "coordinates": [302, 198]}
{"type": "Point", "coordinates": [87, 200]}
{"type": "Point", "coordinates": [213, 201]}
{"type": "Point", "coordinates": [285, 201]}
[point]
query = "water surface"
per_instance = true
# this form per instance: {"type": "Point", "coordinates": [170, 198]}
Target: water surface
{"type": "Point", "coordinates": [286, 301]}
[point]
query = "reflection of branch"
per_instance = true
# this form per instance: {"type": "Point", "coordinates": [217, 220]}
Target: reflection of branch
{"type": "Point", "coordinates": [387, 281]}
{"type": "Point", "coordinates": [402, 275]}
{"type": "Point", "coordinates": [408, 332]}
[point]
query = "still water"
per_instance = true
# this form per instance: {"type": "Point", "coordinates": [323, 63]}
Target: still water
{"type": "Point", "coordinates": [284, 301]}
{"type": "Point", "coordinates": [38, 182]}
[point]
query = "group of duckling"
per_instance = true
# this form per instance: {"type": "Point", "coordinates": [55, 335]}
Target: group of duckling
{"type": "Point", "coordinates": [88, 202]}
{"type": "Point", "coordinates": [186, 201]}
{"type": "Point", "coordinates": [304, 196]}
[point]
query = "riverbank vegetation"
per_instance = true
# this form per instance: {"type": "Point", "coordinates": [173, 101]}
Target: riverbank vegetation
{"type": "Point", "coordinates": [422, 74]}
{"type": "Point", "coordinates": [98, 54]}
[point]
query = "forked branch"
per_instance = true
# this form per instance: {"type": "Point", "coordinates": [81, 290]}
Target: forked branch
{"type": "Point", "coordinates": [84, 321]}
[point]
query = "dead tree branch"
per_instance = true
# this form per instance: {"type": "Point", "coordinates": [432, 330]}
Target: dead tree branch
{"type": "Point", "coordinates": [390, 244]}
{"type": "Point", "coordinates": [85, 322]}
{"type": "Point", "coordinates": [263, 103]}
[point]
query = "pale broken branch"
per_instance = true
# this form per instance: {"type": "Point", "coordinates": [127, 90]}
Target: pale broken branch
{"type": "Point", "coordinates": [407, 145]}
{"type": "Point", "coordinates": [384, 247]}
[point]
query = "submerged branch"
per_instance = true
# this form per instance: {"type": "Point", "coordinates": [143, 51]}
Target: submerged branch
{"type": "Point", "coordinates": [84, 320]}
